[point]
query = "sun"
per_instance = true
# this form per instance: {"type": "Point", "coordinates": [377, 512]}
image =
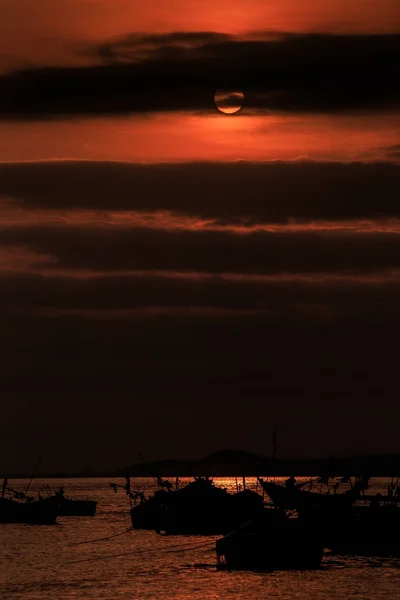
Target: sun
{"type": "Point", "coordinates": [229, 102]}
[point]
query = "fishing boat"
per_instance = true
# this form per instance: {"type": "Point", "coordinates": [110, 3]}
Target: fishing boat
{"type": "Point", "coordinates": [273, 542]}
{"type": "Point", "coordinates": [351, 522]}
{"type": "Point", "coordinates": [71, 507]}
{"type": "Point", "coordinates": [20, 508]}
{"type": "Point", "coordinates": [201, 508]}
{"type": "Point", "coordinates": [293, 497]}
{"type": "Point", "coordinates": [198, 508]}
{"type": "Point", "coordinates": [370, 529]}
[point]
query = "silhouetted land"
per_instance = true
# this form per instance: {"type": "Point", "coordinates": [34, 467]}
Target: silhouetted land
{"type": "Point", "coordinates": [230, 463]}
{"type": "Point", "coordinates": [227, 463]}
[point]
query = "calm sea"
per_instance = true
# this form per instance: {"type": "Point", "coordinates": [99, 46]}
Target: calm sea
{"type": "Point", "coordinates": [70, 561]}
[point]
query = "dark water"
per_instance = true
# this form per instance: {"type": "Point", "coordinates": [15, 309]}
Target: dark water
{"type": "Point", "coordinates": [51, 562]}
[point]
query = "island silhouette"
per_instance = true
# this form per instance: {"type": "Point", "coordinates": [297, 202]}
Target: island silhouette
{"type": "Point", "coordinates": [239, 463]}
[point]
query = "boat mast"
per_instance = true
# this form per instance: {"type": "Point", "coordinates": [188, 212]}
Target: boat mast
{"type": "Point", "coordinates": [33, 475]}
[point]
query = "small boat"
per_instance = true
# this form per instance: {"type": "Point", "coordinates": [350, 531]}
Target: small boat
{"type": "Point", "coordinates": [368, 530]}
{"type": "Point", "coordinates": [77, 508]}
{"type": "Point", "coordinates": [40, 512]}
{"type": "Point", "coordinates": [69, 507]}
{"type": "Point", "coordinates": [274, 542]}
{"type": "Point", "coordinates": [292, 497]}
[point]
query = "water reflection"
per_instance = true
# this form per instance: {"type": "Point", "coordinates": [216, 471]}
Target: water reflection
{"type": "Point", "coordinates": [52, 562]}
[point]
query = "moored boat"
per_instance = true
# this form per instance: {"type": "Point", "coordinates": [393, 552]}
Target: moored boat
{"type": "Point", "coordinates": [199, 508]}
{"type": "Point", "coordinates": [292, 497]}
{"type": "Point", "coordinates": [372, 529]}
{"type": "Point", "coordinates": [349, 523]}
{"type": "Point", "coordinates": [71, 507]}
{"type": "Point", "coordinates": [270, 543]}
{"type": "Point", "coordinates": [40, 512]}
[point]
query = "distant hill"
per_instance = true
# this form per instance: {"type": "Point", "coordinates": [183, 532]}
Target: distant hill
{"type": "Point", "coordinates": [225, 463]}
{"type": "Point", "coordinates": [236, 463]}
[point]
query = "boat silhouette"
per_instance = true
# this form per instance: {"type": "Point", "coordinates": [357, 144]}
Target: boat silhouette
{"type": "Point", "coordinates": [198, 508]}
{"type": "Point", "coordinates": [274, 541]}
{"type": "Point", "coordinates": [18, 507]}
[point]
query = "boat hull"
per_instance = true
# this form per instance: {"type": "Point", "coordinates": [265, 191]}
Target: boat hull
{"type": "Point", "coordinates": [366, 532]}
{"type": "Point", "coordinates": [40, 512]}
{"type": "Point", "coordinates": [280, 546]}
{"type": "Point", "coordinates": [305, 501]}
{"type": "Point", "coordinates": [77, 508]}
{"type": "Point", "coordinates": [198, 510]}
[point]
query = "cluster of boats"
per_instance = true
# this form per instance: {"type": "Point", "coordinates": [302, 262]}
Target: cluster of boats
{"type": "Point", "coordinates": [286, 526]}
{"type": "Point", "coordinates": [290, 531]}
{"type": "Point", "coordinates": [19, 507]}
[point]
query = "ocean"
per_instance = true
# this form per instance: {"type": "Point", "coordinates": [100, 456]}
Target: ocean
{"type": "Point", "coordinates": [85, 558]}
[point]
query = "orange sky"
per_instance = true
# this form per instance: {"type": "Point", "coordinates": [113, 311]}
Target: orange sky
{"type": "Point", "coordinates": [50, 31]}
{"type": "Point", "coordinates": [177, 137]}
{"type": "Point", "coordinates": [34, 31]}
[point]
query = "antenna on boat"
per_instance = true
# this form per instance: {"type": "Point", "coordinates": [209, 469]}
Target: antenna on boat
{"type": "Point", "coordinates": [33, 475]}
{"type": "Point", "coordinates": [128, 487]}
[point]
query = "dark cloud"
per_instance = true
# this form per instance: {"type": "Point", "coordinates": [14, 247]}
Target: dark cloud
{"type": "Point", "coordinates": [116, 249]}
{"type": "Point", "coordinates": [137, 47]}
{"type": "Point", "coordinates": [243, 192]}
{"type": "Point", "coordinates": [289, 72]}
{"type": "Point", "coordinates": [318, 299]}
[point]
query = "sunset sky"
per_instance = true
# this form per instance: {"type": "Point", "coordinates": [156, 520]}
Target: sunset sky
{"type": "Point", "coordinates": [175, 280]}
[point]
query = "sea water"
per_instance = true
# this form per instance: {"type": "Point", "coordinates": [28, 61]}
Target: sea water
{"type": "Point", "coordinates": [85, 558]}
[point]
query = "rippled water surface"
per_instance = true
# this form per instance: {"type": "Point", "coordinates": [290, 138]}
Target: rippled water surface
{"type": "Point", "coordinates": [55, 562]}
